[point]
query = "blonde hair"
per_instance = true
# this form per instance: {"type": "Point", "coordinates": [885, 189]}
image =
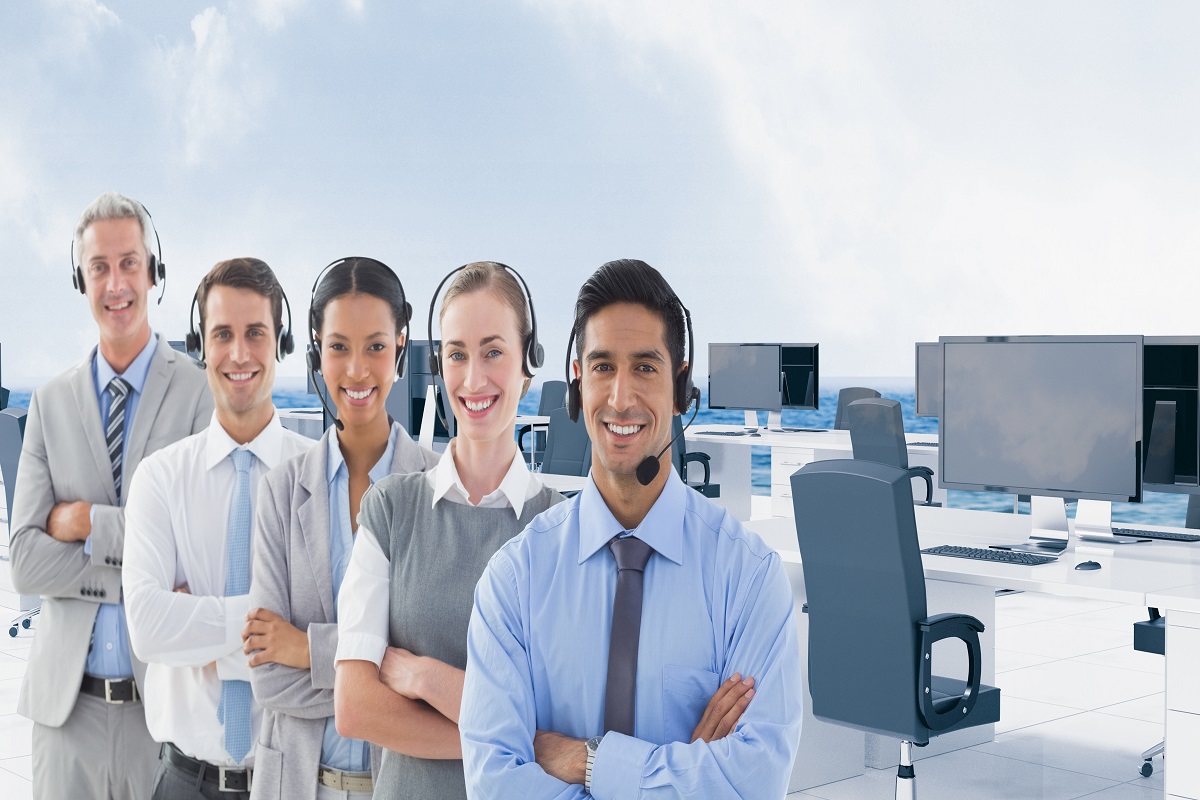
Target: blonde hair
{"type": "Point", "coordinates": [488, 275]}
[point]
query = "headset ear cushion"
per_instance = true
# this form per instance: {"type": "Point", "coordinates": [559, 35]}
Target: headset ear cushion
{"type": "Point", "coordinates": [77, 279]}
{"type": "Point", "coordinates": [537, 355]}
{"type": "Point", "coordinates": [401, 357]}
{"type": "Point", "coordinates": [314, 358]}
{"type": "Point", "coordinates": [574, 400]}
{"type": "Point", "coordinates": [434, 367]}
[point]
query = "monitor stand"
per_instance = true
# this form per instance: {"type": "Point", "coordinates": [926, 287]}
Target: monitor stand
{"type": "Point", "coordinates": [752, 421]}
{"type": "Point", "coordinates": [774, 420]}
{"type": "Point", "coordinates": [1093, 523]}
{"type": "Point", "coordinates": [1049, 531]}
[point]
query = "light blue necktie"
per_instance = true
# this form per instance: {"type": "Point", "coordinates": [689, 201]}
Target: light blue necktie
{"type": "Point", "coordinates": [234, 710]}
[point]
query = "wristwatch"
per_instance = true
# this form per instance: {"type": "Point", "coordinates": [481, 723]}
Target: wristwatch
{"type": "Point", "coordinates": [593, 744]}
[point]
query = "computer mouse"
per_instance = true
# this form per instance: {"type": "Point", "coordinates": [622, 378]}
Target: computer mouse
{"type": "Point", "coordinates": [1088, 565]}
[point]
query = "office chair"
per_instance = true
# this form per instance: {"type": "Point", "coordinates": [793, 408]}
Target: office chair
{"type": "Point", "coordinates": [554, 395]}
{"type": "Point", "coordinates": [870, 639]}
{"type": "Point", "coordinates": [568, 446]}
{"type": "Point", "coordinates": [1150, 636]}
{"type": "Point", "coordinates": [877, 434]}
{"type": "Point", "coordinates": [12, 433]}
{"type": "Point", "coordinates": [846, 397]}
{"type": "Point", "coordinates": [682, 458]}
{"type": "Point", "coordinates": [3, 398]}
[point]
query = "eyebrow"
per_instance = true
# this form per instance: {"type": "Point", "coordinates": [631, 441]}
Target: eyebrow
{"type": "Point", "coordinates": [485, 340]}
{"type": "Point", "coordinates": [227, 327]}
{"type": "Point", "coordinates": [102, 257]}
{"type": "Point", "coordinates": [377, 335]}
{"type": "Point", "coordinates": [641, 355]}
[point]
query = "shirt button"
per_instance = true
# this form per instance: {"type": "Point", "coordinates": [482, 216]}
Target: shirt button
{"type": "Point", "coordinates": [108, 646]}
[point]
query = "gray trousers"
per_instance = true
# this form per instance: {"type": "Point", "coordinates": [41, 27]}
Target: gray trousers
{"type": "Point", "coordinates": [172, 783]}
{"type": "Point", "coordinates": [102, 752]}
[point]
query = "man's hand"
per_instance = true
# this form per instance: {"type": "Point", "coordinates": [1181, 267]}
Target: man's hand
{"type": "Point", "coordinates": [70, 522]}
{"type": "Point", "coordinates": [402, 672]}
{"type": "Point", "coordinates": [275, 639]}
{"type": "Point", "coordinates": [561, 756]}
{"type": "Point", "coordinates": [724, 709]}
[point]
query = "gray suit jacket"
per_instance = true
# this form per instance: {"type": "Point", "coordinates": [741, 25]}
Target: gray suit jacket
{"type": "Point", "coordinates": [292, 576]}
{"type": "Point", "coordinates": [64, 458]}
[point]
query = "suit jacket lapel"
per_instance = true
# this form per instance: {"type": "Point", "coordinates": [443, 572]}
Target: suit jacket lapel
{"type": "Point", "coordinates": [313, 518]}
{"type": "Point", "coordinates": [84, 388]}
{"type": "Point", "coordinates": [157, 379]}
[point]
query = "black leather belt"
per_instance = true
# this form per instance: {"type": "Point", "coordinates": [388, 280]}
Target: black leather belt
{"type": "Point", "coordinates": [226, 779]}
{"type": "Point", "coordinates": [111, 691]}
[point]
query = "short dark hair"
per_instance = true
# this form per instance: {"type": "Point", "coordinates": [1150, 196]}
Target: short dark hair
{"type": "Point", "coordinates": [358, 276]}
{"type": "Point", "coordinates": [243, 273]}
{"type": "Point", "coordinates": [628, 280]}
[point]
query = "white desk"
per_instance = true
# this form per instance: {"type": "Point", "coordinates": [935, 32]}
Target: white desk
{"type": "Point", "coordinates": [731, 466]}
{"type": "Point", "coordinates": [562, 483]}
{"type": "Point", "coordinates": [1161, 574]}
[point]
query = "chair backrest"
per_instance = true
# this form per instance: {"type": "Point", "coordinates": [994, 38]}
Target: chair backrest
{"type": "Point", "coordinates": [877, 431]}
{"type": "Point", "coordinates": [568, 446]}
{"type": "Point", "coordinates": [679, 447]}
{"type": "Point", "coordinates": [866, 589]}
{"type": "Point", "coordinates": [12, 432]}
{"type": "Point", "coordinates": [554, 395]}
{"type": "Point", "coordinates": [846, 397]}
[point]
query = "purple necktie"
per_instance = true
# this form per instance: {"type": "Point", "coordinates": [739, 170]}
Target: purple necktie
{"type": "Point", "coordinates": [631, 554]}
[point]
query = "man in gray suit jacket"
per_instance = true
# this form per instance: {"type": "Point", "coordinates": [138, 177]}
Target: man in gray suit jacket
{"type": "Point", "coordinates": [87, 431]}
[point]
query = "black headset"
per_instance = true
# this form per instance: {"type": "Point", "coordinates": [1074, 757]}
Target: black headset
{"type": "Point", "coordinates": [314, 351]}
{"type": "Point", "coordinates": [685, 391]}
{"type": "Point", "coordinates": [534, 355]}
{"type": "Point", "coordinates": [285, 343]}
{"type": "Point", "coordinates": [158, 267]}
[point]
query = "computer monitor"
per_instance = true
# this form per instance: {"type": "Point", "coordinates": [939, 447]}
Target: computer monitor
{"type": "Point", "coordinates": [1052, 416]}
{"type": "Point", "coordinates": [800, 364]}
{"type": "Point", "coordinates": [929, 379]}
{"type": "Point", "coordinates": [745, 377]}
{"type": "Point", "coordinates": [1170, 414]}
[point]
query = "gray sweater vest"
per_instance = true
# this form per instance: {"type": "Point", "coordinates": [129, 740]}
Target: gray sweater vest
{"type": "Point", "coordinates": [437, 556]}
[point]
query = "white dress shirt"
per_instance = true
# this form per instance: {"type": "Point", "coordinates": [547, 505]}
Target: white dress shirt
{"type": "Point", "coordinates": [175, 529]}
{"type": "Point", "coordinates": [363, 601]}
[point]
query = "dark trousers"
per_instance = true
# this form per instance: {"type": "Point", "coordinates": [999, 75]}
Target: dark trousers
{"type": "Point", "coordinates": [172, 783]}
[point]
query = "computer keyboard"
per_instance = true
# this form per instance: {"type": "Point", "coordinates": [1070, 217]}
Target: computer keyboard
{"type": "Point", "coordinates": [985, 554]}
{"type": "Point", "coordinates": [804, 430]}
{"type": "Point", "coordinates": [726, 433]}
{"type": "Point", "coordinates": [922, 444]}
{"type": "Point", "coordinates": [1167, 535]}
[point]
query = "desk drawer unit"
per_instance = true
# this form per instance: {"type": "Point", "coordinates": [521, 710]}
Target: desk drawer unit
{"type": "Point", "coordinates": [785, 461]}
{"type": "Point", "coordinates": [1181, 777]}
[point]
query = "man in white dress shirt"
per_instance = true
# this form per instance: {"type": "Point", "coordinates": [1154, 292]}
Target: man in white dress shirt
{"type": "Point", "coordinates": [187, 543]}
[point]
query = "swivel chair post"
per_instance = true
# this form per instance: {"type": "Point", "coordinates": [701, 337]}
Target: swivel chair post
{"type": "Point", "coordinates": [906, 776]}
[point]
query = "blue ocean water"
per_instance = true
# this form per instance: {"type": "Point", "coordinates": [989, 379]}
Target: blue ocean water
{"type": "Point", "coordinates": [1155, 509]}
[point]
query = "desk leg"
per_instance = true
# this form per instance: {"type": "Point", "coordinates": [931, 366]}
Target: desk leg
{"type": "Point", "coordinates": [943, 597]}
{"type": "Point", "coordinates": [1181, 773]}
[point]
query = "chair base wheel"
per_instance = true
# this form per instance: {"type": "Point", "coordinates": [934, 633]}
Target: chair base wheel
{"type": "Point", "coordinates": [12, 631]}
{"type": "Point", "coordinates": [1147, 769]}
{"type": "Point", "coordinates": [25, 623]}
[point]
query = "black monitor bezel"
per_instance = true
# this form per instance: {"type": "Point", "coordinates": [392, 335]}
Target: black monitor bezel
{"type": "Point", "coordinates": [779, 361]}
{"type": "Point", "coordinates": [1136, 340]}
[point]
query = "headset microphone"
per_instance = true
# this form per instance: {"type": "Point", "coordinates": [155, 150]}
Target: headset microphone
{"type": "Point", "coordinates": [647, 471]}
{"type": "Point", "coordinates": [329, 414]}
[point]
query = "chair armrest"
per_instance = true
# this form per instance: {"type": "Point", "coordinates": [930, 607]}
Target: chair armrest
{"type": "Point", "coordinates": [702, 458]}
{"type": "Point", "coordinates": [934, 629]}
{"type": "Point", "coordinates": [521, 431]}
{"type": "Point", "coordinates": [926, 474]}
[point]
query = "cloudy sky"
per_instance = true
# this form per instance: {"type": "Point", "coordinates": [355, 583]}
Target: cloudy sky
{"type": "Point", "coordinates": [864, 175]}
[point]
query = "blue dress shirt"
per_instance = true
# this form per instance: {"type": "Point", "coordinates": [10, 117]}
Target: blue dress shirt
{"type": "Point", "coordinates": [109, 654]}
{"type": "Point", "coordinates": [716, 601]}
{"type": "Point", "coordinates": [338, 752]}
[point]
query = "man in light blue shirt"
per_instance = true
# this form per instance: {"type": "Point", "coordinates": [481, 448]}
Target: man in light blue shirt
{"type": "Point", "coordinates": [557, 662]}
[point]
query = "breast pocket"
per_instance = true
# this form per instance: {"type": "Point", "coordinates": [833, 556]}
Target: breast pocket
{"type": "Point", "coordinates": [686, 692]}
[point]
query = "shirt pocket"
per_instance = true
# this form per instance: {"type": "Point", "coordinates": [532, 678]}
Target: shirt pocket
{"type": "Point", "coordinates": [686, 692]}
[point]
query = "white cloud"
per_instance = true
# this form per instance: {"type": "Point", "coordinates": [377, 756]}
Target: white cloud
{"type": "Point", "coordinates": [210, 88]}
{"type": "Point", "coordinates": [81, 20]}
{"type": "Point", "coordinates": [272, 14]}
{"type": "Point", "coordinates": [355, 6]}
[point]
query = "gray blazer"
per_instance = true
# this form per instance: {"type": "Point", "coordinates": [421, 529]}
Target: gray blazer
{"type": "Point", "coordinates": [292, 576]}
{"type": "Point", "coordinates": [64, 458]}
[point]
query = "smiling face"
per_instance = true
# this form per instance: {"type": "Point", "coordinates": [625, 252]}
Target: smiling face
{"type": "Point", "coordinates": [239, 348]}
{"type": "Point", "coordinates": [116, 276]}
{"type": "Point", "coordinates": [627, 388]}
{"type": "Point", "coordinates": [482, 364]}
{"type": "Point", "coordinates": [359, 343]}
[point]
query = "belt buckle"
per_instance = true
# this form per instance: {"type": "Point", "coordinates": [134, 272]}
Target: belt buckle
{"type": "Point", "coordinates": [223, 774]}
{"type": "Point", "coordinates": [108, 693]}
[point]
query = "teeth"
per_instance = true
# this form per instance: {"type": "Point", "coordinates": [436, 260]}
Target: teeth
{"type": "Point", "coordinates": [364, 394]}
{"type": "Point", "coordinates": [239, 376]}
{"type": "Point", "coordinates": [480, 406]}
{"type": "Point", "coordinates": [624, 430]}
{"type": "Point", "coordinates": [121, 307]}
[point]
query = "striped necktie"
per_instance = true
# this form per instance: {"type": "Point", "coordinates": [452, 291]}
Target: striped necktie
{"type": "Point", "coordinates": [234, 710]}
{"type": "Point", "coordinates": [114, 433]}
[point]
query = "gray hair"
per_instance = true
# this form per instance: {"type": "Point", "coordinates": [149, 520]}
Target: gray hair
{"type": "Point", "coordinates": [111, 205]}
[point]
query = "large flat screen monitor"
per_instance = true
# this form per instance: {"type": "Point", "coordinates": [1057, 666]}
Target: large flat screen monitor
{"type": "Point", "coordinates": [1056, 416]}
{"type": "Point", "coordinates": [745, 377]}
{"type": "Point", "coordinates": [801, 373]}
{"type": "Point", "coordinates": [929, 379]}
{"type": "Point", "coordinates": [1171, 414]}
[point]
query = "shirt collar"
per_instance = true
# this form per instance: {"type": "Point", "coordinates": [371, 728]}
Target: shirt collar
{"type": "Point", "coordinates": [382, 468]}
{"type": "Point", "coordinates": [134, 375]}
{"type": "Point", "coordinates": [514, 485]}
{"type": "Point", "coordinates": [267, 447]}
{"type": "Point", "coordinates": [662, 527]}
